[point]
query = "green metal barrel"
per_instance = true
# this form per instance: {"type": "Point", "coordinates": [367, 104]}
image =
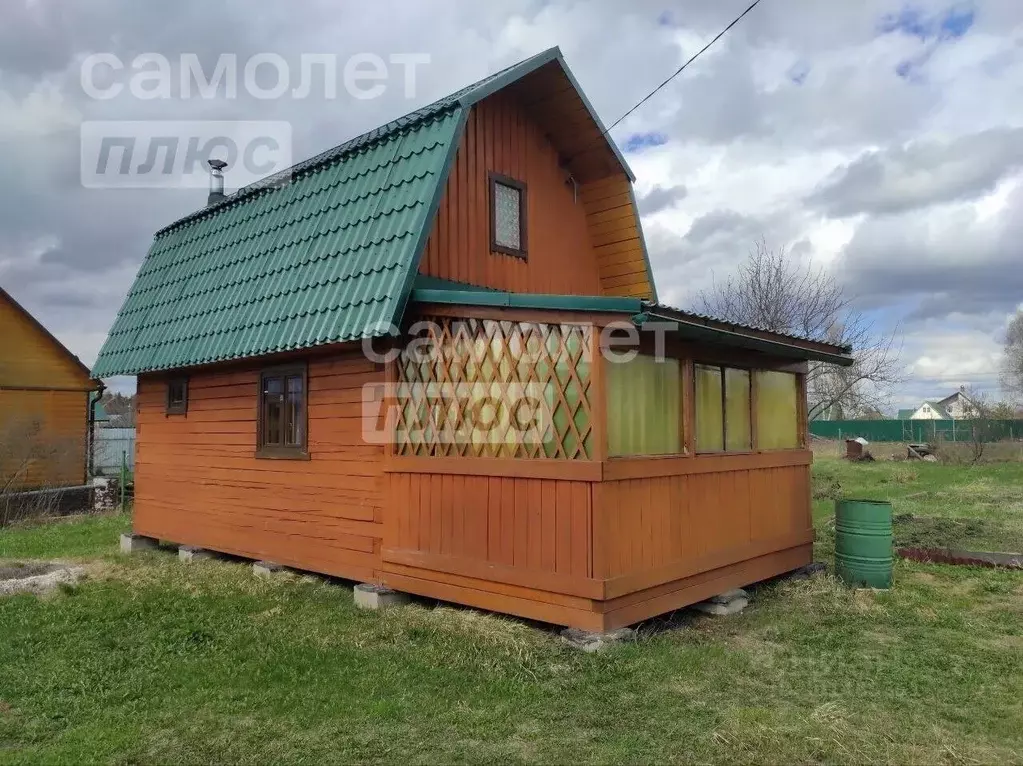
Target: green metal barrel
{"type": "Point", "coordinates": [863, 542]}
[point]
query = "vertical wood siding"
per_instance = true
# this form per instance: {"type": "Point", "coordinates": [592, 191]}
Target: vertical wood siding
{"type": "Point", "coordinates": [537, 525]}
{"type": "Point", "coordinates": [502, 138]}
{"type": "Point", "coordinates": [199, 483]}
{"type": "Point", "coordinates": [650, 523]}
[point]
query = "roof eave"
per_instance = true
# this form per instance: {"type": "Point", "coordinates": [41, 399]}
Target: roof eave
{"type": "Point", "coordinates": [776, 346]}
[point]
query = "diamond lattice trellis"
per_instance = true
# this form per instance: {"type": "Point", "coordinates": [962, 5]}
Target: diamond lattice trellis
{"type": "Point", "coordinates": [488, 388]}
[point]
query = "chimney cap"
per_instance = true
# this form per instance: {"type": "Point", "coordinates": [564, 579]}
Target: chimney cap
{"type": "Point", "coordinates": [216, 164]}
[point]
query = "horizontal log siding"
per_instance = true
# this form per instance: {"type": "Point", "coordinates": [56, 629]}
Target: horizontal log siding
{"type": "Point", "coordinates": [42, 439]}
{"type": "Point", "coordinates": [199, 483]}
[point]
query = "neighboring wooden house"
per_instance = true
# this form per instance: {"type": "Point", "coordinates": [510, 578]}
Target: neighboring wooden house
{"type": "Point", "coordinates": [44, 406]}
{"type": "Point", "coordinates": [488, 453]}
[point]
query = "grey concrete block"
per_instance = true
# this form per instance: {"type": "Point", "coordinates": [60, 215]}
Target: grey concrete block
{"type": "Point", "coordinates": [734, 606]}
{"type": "Point", "coordinates": [589, 641]}
{"type": "Point", "coordinates": [189, 553]}
{"type": "Point", "coordinates": [266, 568]}
{"type": "Point", "coordinates": [729, 596]}
{"type": "Point", "coordinates": [136, 543]}
{"type": "Point", "coordinates": [378, 597]}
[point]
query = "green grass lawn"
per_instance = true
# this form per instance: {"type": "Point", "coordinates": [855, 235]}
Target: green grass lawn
{"type": "Point", "coordinates": [150, 661]}
{"type": "Point", "coordinates": [976, 507]}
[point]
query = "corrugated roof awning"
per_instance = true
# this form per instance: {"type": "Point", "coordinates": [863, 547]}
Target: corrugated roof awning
{"type": "Point", "coordinates": [690, 326]}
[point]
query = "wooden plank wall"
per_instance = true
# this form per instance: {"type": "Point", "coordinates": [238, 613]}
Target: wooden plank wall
{"type": "Point", "coordinates": [198, 482]}
{"type": "Point", "coordinates": [59, 447]}
{"type": "Point", "coordinates": [501, 137]}
{"type": "Point", "coordinates": [30, 357]}
{"type": "Point", "coordinates": [513, 545]}
{"type": "Point", "coordinates": [617, 238]}
{"type": "Point", "coordinates": [542, 525]}
{"type": "Point", "coordinates": [649, 524]}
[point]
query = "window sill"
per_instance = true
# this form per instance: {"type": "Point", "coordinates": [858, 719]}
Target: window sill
{"type": "Point", "coordinates": [495, 248]}
{"type": "Point", "coordinates": [281, 454]}
{"type": "Point", "coordinates": [662, 456]}
{"type": "Point", "coordinates": [707, 462]}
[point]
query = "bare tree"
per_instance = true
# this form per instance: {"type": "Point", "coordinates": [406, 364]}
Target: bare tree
{"type": "Point", "coordinates": [775, 292]}
{"type": "Point", "coordinates": [981, 414]}
{"type": "Point", "coordinates": [120, 408]}
{"type": "Point", "coordinates": [1012, 361]}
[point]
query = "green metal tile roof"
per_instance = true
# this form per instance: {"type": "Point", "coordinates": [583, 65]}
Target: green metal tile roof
{"type": "Point", "coordinates": [323, 259]}
{"type": "Point", "coordinates": [325, 252]}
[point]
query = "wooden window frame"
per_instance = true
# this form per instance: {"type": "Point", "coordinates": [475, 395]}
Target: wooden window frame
{"type": "Point", "coordinates": [279, 451]}
{"type": "Point", "coordinates": [175, 407]}
{"type": "Point", "coordinates": [724, 410]}
{"type": "Point", "coordinates": [495, 247]}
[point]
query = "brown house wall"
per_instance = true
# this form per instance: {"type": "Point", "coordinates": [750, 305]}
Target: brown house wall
{"type": "Point", "coordinates": [595, 544]}
{"type": "Point", "coordinates": [43, 405]}
{"type": "Point", "coordinates": [198, 482]}
{"type": "Point", "coordinates": [501, 137]}
{"type": "Point", "coordinates": [52, 456]}
{"type": "Point", "coordinates": [600, 552]}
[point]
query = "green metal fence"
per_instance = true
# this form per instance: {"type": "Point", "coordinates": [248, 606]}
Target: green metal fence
{"type": "Point", "coordinates": [916, 430]}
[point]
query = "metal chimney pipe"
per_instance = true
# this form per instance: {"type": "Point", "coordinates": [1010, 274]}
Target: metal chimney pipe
{"type": "Point", "coordinates": [216, 181]}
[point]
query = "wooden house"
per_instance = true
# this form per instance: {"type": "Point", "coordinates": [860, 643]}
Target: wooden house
{"type": "Point", "coordinates": [392, 365]}
{"type": "Point", "coordinates": [44, 406]}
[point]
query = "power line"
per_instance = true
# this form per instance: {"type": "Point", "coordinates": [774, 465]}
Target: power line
{"type": "Point", "coordinates": [678, 71]}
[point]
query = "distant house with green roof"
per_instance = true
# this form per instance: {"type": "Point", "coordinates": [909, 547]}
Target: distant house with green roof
{"type": "Point", "coordinates": [432, 360]}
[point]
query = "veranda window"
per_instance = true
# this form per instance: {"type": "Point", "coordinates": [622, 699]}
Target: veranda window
{"type": "Point", "coordinates": [777, 410]}
{"type": "Point", "coordinates": [644, 406]}
{"type": "Point", "coordinates": [723, 417]}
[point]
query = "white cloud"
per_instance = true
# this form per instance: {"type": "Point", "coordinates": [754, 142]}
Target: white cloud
{"type": "Point", "coordinates": [792, 94]}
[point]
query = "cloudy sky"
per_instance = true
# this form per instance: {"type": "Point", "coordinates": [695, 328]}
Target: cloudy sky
{"type": "Point", "coordinates": [882, 139]}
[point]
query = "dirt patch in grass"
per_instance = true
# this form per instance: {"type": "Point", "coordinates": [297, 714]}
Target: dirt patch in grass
{"type": "Point", "coordinates": [16, 570]}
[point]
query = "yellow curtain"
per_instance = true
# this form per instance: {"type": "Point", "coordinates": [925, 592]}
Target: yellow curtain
{"type": "Point", "coordinates": [709, 412]}
{"type": "Point", "coordinates": [644, 407]}
{"type": "Point", "coordinates": [737, 410]}
{"type": "Point", "coordinates": [777, 410]}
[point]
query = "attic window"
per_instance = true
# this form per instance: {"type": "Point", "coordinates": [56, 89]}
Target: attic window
{"type": "Point", "coordinates": [177, 396]}
{"type": "Point", "coordinates": [507, 216]}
